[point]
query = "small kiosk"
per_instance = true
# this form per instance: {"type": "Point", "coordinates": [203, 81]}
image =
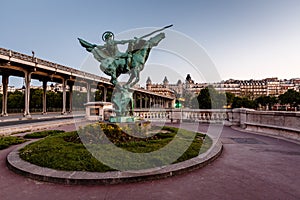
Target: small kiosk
{"type": "Point", "coordinates": [98, 111]}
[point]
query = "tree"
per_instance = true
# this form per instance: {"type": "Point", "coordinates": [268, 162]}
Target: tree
{"type": "Point", "coordinates": [229, 98]}
{"type": "Point", "coordinates": [79, 99]}
{"type": "Point", "coordinates": [266, 101]}
{"type": "Point", "coordinates": [243, 102]}
{"type": "Point", "coordinates": [54, 100]}
{"type": "Point", "coordinates": [187, 96]}
{"type": "Point", "coordinates": [15, 100]}
{"type": "Point", "coordinates": [36, 98]}
{"type": "Point", "coordinates": [195, 103]}
{"type": "Point", "coordinates": [290, 97]}
{"type": "Point", "coordinates": [204, 99]}
{"type": "Point", "coordinates": [210, 98]}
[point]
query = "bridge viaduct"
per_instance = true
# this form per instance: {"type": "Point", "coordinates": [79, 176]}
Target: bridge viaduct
{"type": "Point", "coordinates": [29, 67]}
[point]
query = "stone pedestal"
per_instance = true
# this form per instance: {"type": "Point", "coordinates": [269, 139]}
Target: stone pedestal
{"type": "Point", "coordinates": [121, 119]}
{"type": "Point", "coordinates": [98, 111]}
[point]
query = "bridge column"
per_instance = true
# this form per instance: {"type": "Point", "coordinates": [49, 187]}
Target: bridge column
{"type": "Point", "coordinates": [27, 94]}
{"type": "Point", "coordinates": [88, 92]}
{"type": "Point", "coordinates": [44, 97]}
{"type": "Point", "coordinates": [4, 97]}
{"type": "Point", "coordinates": [147, 101]}
{"type": "Point", "coordinates": [104, 93]}
{"type": "Point", "coordinates": [151, 101]}
{"type": "Point", "coordinates": [71, 97]}
{"type": "Point", "coordinates": [165, 103]}
{"type": "Point", "coordinates": [64, 85]}
{"type": "Point", "coordinates": [141, 101]}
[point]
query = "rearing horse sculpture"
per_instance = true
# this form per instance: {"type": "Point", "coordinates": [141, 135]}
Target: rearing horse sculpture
{"type": "Point", "coordinates": [114, 63]}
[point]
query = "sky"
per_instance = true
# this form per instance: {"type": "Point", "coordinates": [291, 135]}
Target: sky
{"type": "Point", "coordinates": [241, 39]}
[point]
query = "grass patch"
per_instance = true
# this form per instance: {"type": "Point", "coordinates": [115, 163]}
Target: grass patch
{"type": "Point", "coordinates": [42, 134]}
{"type": "Point", "coordinates": [7, 141]}
{"type": "Point", "coordinates": [58, 153]}
{"type": "Point", "coordinates": [66, 151]}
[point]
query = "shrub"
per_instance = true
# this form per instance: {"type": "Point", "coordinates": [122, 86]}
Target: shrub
{"type": "Point", "coordinates": [6, 141]}
{"type": "Point", "coordinates": [42, 134]}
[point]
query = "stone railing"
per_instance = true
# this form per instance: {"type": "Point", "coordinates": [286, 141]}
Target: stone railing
{"type": "Point", "coordinates": [179, 115]}
{"type": "Point", "coordinates": [276, 123]}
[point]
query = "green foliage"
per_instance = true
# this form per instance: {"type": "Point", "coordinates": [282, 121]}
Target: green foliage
{"type": "Point", "coordinates": [266, 101]}
{"type": "Point", "coordinates": [79, 99]}
{"type": "Point", "coordinates": [42, 134]}
{"type": "Point", "coordinates": [243, 102]}
{"type": "Point", "coordinates": [16, 100]}
{"type": "Point", "coordinates": [229, 98]}
{"type": "Point", "coordinates": [209, 98]}
{"type": "Point", "coordinates": [6, 141]}
{"type": "Point", "coordinates": [204, 99]}
{"type": "Point", "coordinates": [188, 99]}
{"type": "Point", "coordinates": [291, 97]}
{"type": "Point", "coordinates": [36, 98]}
{"type": "Point", "coordinates": [54, 99]}
{"type": "Point", "coordinates": [54, 152]}
{"type": "Point", "coordinates": [99, 95]}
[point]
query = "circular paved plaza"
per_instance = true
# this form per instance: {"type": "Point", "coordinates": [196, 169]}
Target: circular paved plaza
{"type": "Point", "coordinates": [250, 167]}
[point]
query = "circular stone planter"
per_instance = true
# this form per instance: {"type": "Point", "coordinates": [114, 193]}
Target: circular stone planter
{"type": "Point", "coordinates": [19, 166]}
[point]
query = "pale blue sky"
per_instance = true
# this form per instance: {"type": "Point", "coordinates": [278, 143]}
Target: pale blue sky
{"type": "Point", "coordinates": [245, 39]}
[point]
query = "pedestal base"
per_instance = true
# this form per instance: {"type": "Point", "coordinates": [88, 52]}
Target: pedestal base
{"type": "Point", "coordinates": [121, 119]}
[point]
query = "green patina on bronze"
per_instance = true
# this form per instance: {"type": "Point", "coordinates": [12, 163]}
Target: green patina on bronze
{"type": "Point", "coordinates": [114, 63]}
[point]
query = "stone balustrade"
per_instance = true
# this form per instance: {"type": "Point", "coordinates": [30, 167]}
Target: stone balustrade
{"type": "Point", "coordinates": [179, 115]}
{"type": "Point", "coordinates": [276, 123]}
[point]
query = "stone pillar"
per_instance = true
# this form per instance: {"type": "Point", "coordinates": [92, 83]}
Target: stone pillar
{"type": "Point", "coordinates": [71, 97]}
{"type": "Point", "coordinates": [44, 97]}
{"type": "Point", "coordinates": [141, 101]}
{"type": "Point", "coordinates": [27, 94]}
{"type": "Point", "coordinates": [88, 92]}
{"type": "Point", "coordinates": [104, 93]}
{"type": "Point", "coordinates": [4, 97]}
{"type": "Point", "coordinates": [64, 85]}
{"type": "Point", "coordinates": [146, 102]}
{"type": "Point", "coordinates": [134, 100]}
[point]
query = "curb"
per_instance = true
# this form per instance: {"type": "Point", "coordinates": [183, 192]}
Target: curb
{"type": "Point", "coordinates": [19, 166]}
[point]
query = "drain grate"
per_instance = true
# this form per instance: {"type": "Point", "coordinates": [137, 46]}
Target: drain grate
{"type": "Point", "coordinates": [247, 141]}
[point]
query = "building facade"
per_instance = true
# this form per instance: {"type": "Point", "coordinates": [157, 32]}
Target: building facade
{"type": "Point", "coordinates": [249, 88]}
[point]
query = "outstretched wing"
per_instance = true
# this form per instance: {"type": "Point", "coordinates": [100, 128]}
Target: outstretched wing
{"type": "Point", "coordinates": [88, 46]}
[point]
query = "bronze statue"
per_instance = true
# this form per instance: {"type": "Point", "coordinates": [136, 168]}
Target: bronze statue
{"type": "Point", "coordinates": [114, 63]}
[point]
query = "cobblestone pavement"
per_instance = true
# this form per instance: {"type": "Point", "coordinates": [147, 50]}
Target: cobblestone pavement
{"type": "Point", "coordinates": [250, 167]}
